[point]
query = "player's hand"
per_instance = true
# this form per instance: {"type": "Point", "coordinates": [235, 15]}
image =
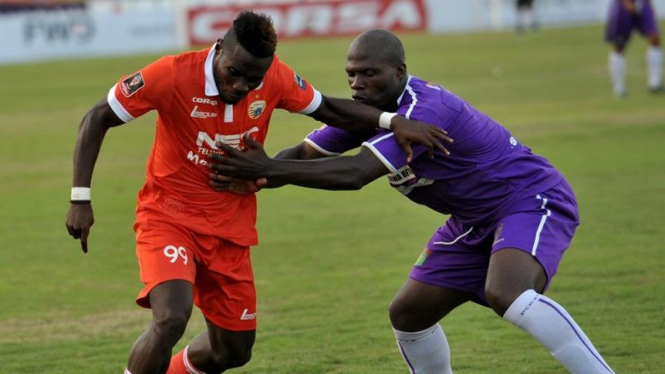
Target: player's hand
{"type": "Point", "coordinates": [251, 164]}
{"type": "Point", "coordinates": [79, 221]}
{"type": "Point", "coordinates": [238, 186]}
{"type": "Point", "coordinates": [407, 131]}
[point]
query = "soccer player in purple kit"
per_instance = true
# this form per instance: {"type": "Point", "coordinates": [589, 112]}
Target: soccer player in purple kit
{"type": "Point", "coordinates": [623, 17]}
{"type": "Point", "coordinates": [512, 214]}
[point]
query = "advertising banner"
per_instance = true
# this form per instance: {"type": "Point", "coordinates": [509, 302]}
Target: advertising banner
{"type": "Point", "coordinates": [205, 24]}
{"type": "Point", "coordinates": [45, 35]}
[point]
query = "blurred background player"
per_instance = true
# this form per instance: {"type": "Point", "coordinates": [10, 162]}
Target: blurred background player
{"type": "Point", "coordinates": [624, 16]}
{"type": "Point", "coordinates": [512, 214]}
{"type": "Point", "coordinates": [526, 16]}
{"type": "Point", "coordinates": [192, 242]}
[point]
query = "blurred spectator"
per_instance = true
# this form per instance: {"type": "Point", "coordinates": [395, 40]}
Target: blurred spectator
{"type": "Point", "coordinates": [526, 16]}
{"type": "Point", "coordinates": [624, 16]}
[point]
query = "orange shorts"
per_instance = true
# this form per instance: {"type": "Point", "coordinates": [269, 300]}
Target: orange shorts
{"type": "Point", "coordinates": [220, 271]}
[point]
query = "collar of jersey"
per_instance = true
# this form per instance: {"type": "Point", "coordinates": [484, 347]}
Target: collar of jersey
{"type": "Point", "coordinates": [399, 99]}
{"type": "Point", "coordinates": [211, 87]}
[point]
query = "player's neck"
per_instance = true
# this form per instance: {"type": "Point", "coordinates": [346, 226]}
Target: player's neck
{"type": "Point", "coordinates": [393, 103]}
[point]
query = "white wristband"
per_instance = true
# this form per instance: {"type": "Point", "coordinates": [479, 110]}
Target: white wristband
{"type": "Point", "coordinates": [384, 120]}
{"type": "Point", "coordinates": [80, 194]}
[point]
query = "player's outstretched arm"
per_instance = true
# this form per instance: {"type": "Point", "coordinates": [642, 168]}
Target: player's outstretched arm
{"type": "Point", "coordinates": [333, 173]}
{"type": "Point", "coordinates": [94, 125]}
{"type": "Point", "coordinates": [352, 115]}
{"type": "Point", "coordinates": [302, 151]}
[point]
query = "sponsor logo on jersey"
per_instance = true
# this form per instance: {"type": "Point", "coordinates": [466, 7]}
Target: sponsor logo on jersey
{"type": "Point", "coordinates": [404, 180]}
{"type": "Point", "coordinates": [207, 145]}
{"type": "Point", "coordinates": [132, 84]}
{"type": "Point", "coordinates": [401, 176]}
{"type": "Point", "coordinates": [247, 316]}
{"type": "Point", "coordinates": [299, 81]}
{"type": "Point", "coordinates": [513, 141]}
{"type": "Point", "coordinates": [196, 113]}
{"type": "Point", "coordinates": [423, 257]}
{"type": "Point", "coordinates": [203, 100]}
{"type": "Point", "coordinates": [256, 109]}
{"type": "Point", "coordinates": [234, 140]}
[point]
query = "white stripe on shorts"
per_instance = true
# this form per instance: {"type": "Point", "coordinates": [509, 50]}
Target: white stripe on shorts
{"type": "Point", "coordinates": [542, 224]}
{"type": "Point", "coordinates": [456, 239]}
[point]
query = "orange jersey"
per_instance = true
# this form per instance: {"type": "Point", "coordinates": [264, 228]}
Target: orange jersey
{"type": "Point", "coordinates": [191, 118]}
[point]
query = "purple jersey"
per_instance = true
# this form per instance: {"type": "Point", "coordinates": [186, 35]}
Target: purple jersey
{"type": "Point", "coordinates": [620, 22]}
{"type": "Point", "coordinates": [486, 176]}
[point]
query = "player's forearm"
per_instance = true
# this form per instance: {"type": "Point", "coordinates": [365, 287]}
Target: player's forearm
{"type": "Point", "coordinates": [347, 114]}
{"type": "Point", "coordinates": [293, 153]}
{"type": "Point", "coordinates": [91, 133]}
{"type": "Point", "coordinates": [338, 174]}
{"type": "Point", "coordinates": [301, 151]}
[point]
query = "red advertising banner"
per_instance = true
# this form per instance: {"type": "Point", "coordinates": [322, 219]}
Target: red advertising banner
{"type": "Point", "coordinates": [206, 24]}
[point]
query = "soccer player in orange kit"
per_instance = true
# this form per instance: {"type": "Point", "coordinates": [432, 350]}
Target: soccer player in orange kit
{"type": "Point", "coordinates": [192, 242]}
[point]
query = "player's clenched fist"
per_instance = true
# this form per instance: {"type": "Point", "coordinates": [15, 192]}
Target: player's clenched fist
{"type": "Point", "coordinates": [80, 219]}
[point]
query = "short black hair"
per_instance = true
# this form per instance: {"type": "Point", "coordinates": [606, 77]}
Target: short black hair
{"type": "Point", "coordinates": [381, 43]}
{"type": "Point", "coordinates": [254, 32]}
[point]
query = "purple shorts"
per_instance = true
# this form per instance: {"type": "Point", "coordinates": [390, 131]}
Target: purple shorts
{"type": "Point", "coordinates": [621, 23]}
{"type": "Point", "coordinates": [458, 256]}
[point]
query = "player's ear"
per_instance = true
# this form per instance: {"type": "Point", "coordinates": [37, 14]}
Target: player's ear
{"type": "Point", "coordinates": [401, 71]}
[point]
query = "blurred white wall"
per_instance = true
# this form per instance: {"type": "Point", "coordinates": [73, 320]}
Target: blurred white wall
{"type": "Point", "coordinates": [103, 29]}
{"type": "Point", "coordinates": [117, 27]}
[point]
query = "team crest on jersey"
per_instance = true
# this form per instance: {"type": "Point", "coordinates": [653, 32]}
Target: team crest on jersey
{"type": "Point", "coordinates": [256, 109]}
{"type": "Point", "coordinates": [299, 81]}
{"type": "Point", "coordinates": [131, 84]}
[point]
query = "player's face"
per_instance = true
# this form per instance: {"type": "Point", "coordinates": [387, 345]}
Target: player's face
{"type": "Point", "coordinates": [374, 81]}
{"type": "Point", "coordinates": [237, 72]}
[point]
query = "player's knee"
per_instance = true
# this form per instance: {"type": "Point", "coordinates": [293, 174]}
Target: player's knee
{"type": "Point", "coordinates": [232, 357]}
{"type": "Point", "coordinates": [171, 325]}
{"type": "Point", "coordinates": [401, 316]}
{"type": "Point", "coordinates": [500, 299]}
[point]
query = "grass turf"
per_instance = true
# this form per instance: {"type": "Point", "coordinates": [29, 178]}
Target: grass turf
{"type": "Point", "coordinates": [329, 262]}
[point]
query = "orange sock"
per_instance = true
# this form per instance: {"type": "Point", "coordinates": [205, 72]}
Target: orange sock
{"type": "Point", "coordinates": [177, 365]}
{"type": "Point", "coordinates": [181, 365]}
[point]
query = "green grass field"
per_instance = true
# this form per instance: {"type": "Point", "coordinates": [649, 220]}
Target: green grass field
{"type": "Point", "coordinates": [329, 262]}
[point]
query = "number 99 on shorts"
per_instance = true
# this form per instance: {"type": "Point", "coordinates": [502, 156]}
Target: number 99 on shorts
{"type": "Point", "coordinates": [173, 253]}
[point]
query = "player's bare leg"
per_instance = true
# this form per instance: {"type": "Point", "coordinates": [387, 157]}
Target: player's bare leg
{"type": "Point", "coordinates": [515, 281]}
{"type": "Point", "coordinates": [617, 67]}
{"type": "Point", "coordinates": [171, 304]}
{"type": "Point", "coordinates": [218, 349]}
{"type": "Point", "coordinates": [414, 313]}
{"type": "Point", "coordinates": [654, 57]}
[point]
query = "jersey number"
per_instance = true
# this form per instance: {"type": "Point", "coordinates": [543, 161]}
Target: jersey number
{"type": "Point", "coordinates": [173, 253]}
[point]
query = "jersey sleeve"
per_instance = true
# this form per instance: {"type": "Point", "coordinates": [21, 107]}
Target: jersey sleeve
{"type": "Point", "coordinates": [145, 90]}
{"type": "Point", "coordinates": [387, 149]}
{"type": "Point", "coordinates": [332, 141]}
{"type": "Point", "coordinates": [296, 96]}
